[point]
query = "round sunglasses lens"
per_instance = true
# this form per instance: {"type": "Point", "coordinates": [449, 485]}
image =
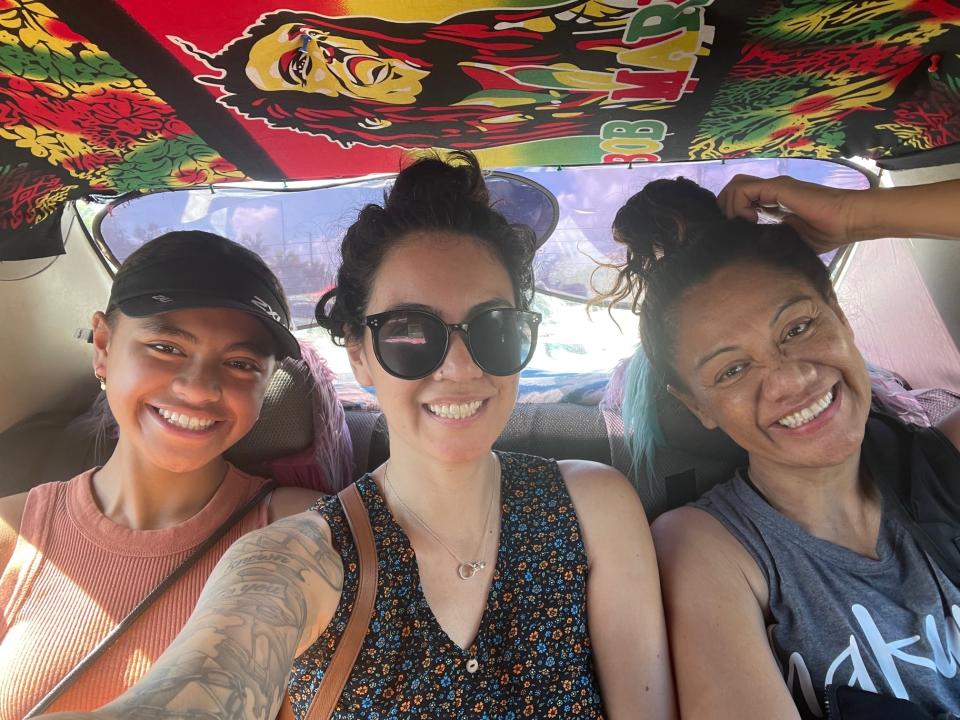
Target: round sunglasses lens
{"type": "Point", "coordinates": [411, 344]}
{"type": "Point", "coordinates": [501, 341]}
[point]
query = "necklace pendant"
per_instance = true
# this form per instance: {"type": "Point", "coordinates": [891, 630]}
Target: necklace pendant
{"type": "Point", "coordinates": [468, 569]}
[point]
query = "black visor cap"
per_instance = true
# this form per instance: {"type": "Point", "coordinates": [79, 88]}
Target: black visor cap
{"type": "Point", "coordinates": [206, 279]}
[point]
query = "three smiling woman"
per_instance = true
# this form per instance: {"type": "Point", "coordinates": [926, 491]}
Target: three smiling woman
{"type": "Point", "coordinates": [513, 586]}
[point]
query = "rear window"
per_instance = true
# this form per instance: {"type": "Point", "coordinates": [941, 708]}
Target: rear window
{"type": "Point", "coordinates": [298, 230]}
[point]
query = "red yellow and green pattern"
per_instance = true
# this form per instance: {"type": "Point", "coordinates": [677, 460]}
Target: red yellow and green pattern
{"type": "Point", "coordinates": [117, 96]}
{"type": "Point", "coordinates": [78, 121]}
{"type": "Point", "coordinates": [830, 74]}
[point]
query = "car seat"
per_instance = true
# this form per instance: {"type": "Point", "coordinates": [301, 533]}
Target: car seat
{"type": "Point", "coordinates": [55, 446]}
{"type": "Point", "coordinates": [693, 459]}
{"type": "Point", "coordinates": [561, 431]}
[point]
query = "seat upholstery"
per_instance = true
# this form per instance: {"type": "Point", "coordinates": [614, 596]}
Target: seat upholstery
{"type": "Point", "coordinates": [45, 447]}
{"type": "Point", "coordinates": [694, 459]}
{"type": "Point", "coordinates": [691, 461]}
{"type": "Point", "coordinates": [557, 430]}
{"type": "Point", "coordinates": [53, 446]}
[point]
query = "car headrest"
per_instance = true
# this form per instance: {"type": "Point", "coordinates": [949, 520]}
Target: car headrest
{"type": "Point", "coordinates": [285, 425]}
{"type": "Point", "coordinates": [301, 431]}
{"type": "Point", "coordinates": [694, 459]}
{"type": "Point", "coordinates": [561, 431]}
{"type": "Point", "coordinates": [683, 431]}
{"type": "Point", "coordinates": [691, 461]}
{"type": "Point", "coordinates": [301, 437]}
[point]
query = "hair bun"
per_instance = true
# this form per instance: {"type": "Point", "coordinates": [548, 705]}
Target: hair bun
{"type": "Point", "coordinates": [659, 219]}
{"type": "Point", "coordinates": [431, 181]}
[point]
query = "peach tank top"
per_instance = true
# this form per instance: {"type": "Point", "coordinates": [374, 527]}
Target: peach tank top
{"type": "Point", "coordinates": [75, 574]}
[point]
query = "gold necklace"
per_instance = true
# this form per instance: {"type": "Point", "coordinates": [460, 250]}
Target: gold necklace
{"type": "Point", "coordinates": [465, 568]}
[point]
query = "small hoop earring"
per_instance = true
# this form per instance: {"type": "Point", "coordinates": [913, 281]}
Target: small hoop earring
{"type": "Point", "coordinates": [101, 379]}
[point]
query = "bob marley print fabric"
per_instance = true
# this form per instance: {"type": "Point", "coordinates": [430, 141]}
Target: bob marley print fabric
{"type": "Point", "coordinates": [122, 95]}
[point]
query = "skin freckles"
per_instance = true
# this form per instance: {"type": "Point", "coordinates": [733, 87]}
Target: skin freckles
{"type": "Point", "coordinates": [756, 344]}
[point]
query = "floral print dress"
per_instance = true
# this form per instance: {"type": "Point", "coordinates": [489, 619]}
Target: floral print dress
{"type": "Point", "coordinates": [531, 657]}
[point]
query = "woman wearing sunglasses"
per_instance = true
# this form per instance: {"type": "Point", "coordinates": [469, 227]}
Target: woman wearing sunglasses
{"type": "Point", "coordinates": [509, 585]}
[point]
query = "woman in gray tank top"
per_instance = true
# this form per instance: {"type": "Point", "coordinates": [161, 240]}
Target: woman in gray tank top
{"type": "Point", "coordinates": [798, 574]}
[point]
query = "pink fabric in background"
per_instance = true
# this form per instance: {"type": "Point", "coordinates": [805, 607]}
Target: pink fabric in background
{"type": "Point", "coordinates": [894, 318]}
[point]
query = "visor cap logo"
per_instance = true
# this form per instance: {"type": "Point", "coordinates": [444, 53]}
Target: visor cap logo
{"type": "Point", "coordinates": [264, 307]}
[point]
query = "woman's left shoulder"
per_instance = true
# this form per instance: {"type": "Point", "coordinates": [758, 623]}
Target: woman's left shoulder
{"type": "Point", "coordinates": [616, 532]}
{"type": "Point", "coordinates": [287, 501]}
{"type": "Point", "coordinates": [589, 470]}
{"type": "Point", "coordinates": [600, 490]}
{"type": "Point", "coordinates": [593, 477]}
{"type": "Point", "coordinates": [594, 488]}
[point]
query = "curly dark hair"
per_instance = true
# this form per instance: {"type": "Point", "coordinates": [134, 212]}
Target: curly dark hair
{"type": "Point", "coordinates": [677, 238]}
{"type": "Point", "coordinates": [430, 194]}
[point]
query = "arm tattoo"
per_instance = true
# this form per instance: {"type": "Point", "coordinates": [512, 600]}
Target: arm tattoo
{"type": "Point", "coordinates": [232, 658]}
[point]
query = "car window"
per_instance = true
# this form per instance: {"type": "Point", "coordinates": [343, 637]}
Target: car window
{"type": "Point", "coordinates": [297, 230]}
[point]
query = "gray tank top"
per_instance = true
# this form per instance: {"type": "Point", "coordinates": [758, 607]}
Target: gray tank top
{"type": "Point", "coordinates": [890, 626]}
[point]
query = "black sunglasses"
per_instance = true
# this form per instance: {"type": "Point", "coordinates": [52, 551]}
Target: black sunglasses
{"type": "Point", "coordinates": [411, 344]}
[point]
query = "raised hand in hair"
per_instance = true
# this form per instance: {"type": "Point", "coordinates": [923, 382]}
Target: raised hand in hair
{"type": "Point", "coordinates": [822, 216]}
{"type": "Point", "coordinates": [827, 218]}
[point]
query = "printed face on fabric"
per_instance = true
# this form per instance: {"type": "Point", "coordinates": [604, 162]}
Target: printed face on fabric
{"type": "Point", "coordinates": [314, 60]}
{"type": "Point", "coordinates": [455, 413]}
{"type": "Point", "coordinates": [478, 78]}
{"type": "Point", "coordinates": [773, 364]}
{"type": "Point", "coordinates": [184, 386]}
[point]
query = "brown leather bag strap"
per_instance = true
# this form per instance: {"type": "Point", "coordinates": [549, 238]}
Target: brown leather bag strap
{"type": "Point", "coordinates": [344, 657]}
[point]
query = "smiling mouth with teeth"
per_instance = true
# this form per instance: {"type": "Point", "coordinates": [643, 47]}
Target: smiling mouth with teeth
{"type": "Point", "coordinates": [802, 417]}
{"type": "Point", "coordinates": [456, 412]}
{"type": "Point", "coordinates": [185, 422]}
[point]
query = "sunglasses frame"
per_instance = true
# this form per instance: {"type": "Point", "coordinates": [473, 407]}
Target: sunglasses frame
{"type": "Point", "coordinates": [376, 321]}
